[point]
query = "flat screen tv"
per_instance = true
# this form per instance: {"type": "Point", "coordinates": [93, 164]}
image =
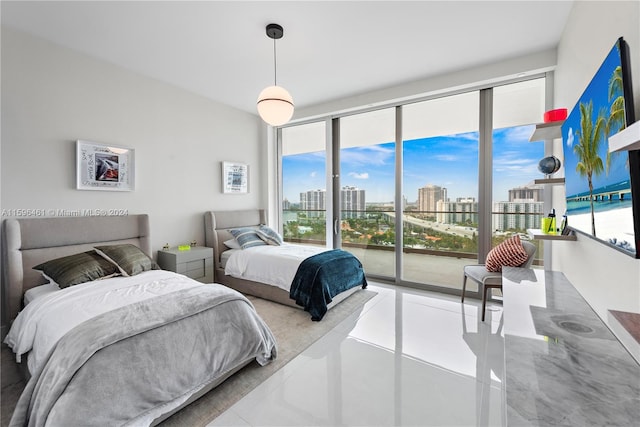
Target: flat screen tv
{"type": "Point", "coordinates": [602, 188]}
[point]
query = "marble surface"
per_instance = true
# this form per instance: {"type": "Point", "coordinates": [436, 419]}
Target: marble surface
{"type": "Point", "coordinates": [564, 367]}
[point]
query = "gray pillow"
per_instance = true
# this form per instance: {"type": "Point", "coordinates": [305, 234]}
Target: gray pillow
{"type": "Point", "coordinates": [78, 268]}
{"type": "Point", "coordinates": [128, 258]}
{"type": "Point", "coordinates": [247, 237]}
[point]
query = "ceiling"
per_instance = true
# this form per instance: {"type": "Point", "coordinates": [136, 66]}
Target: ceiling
{"type": "Point", "coordinates": [330, 49]}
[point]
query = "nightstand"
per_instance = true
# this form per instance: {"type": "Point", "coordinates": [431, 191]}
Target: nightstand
{"type": "Point", "coordinates": [196, 263]}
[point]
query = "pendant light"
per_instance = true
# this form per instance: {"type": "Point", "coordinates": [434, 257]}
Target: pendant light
{"type": "Point", "coordinates": [275, 105]}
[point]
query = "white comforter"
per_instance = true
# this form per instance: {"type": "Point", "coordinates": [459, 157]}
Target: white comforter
{"type": "Point", "coordinates": [273, 265]}
{"type": "Point", "coordinates": [40, 324]}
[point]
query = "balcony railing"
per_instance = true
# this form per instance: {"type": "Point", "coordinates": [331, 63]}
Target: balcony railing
{"type": "Point", "coordinates": [370, 235]}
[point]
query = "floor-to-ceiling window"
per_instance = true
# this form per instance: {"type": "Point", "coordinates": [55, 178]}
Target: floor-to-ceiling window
{"type": "Point", "coordinates": [518, 203]}
{"type": "Point", "coordinates": [367, 189]}
{"type": "Point", "coordinates": [440, 188]}
{"type": "Point", "coordinates": [304, 196]}
{"type": "Point", "coordinates": [459, 169]}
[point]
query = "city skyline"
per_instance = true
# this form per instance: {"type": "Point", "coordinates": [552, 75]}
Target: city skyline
{"type": "Point", "coordinates": [445, 161]}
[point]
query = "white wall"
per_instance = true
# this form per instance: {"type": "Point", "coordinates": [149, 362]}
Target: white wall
{"type": "Point", "coordinates": [463, 80]}
{"type": "Point", "coordinates": [52, 96]}
{"type": "Point", "coordinates": [606, 278]}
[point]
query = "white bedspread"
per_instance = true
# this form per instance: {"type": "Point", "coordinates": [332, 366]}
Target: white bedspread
{"type": "Point", "coordinates": [273, 265]}
{"type": "Point", "coordinates": [40, 324]}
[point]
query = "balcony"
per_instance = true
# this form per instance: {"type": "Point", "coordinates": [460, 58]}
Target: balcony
{"type": "Point", "coordinates": [434, 253]}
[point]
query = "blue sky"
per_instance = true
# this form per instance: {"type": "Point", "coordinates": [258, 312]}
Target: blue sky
{"type": "Point", "coordinates": [446, 161]}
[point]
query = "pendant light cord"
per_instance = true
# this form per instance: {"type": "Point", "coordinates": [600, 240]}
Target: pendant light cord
{"type": "Point", "coordinates": [275, 68]}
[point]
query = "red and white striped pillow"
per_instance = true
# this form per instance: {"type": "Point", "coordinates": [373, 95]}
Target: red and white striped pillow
{"type": "Point", "coordinates": [509, 253]}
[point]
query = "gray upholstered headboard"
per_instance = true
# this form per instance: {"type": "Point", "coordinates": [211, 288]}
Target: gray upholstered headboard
{"type": "Point", "coordinates": [218, 223]}
{"type": "Point", "coordinates": [28, 242]}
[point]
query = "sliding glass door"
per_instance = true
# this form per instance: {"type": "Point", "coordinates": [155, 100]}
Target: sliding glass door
{"type": "Point", "coordinates": [304, 196]}
{"type": "Point", "coordinates": [440, 189]}
{"type": "Point", "coordinates": [367, 189]}
{"type": "Point", "coordinates": [417, 191]}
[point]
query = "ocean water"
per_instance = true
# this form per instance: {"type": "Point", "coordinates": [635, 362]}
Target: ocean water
{"type": "Point", "coordinates": [584, 206]}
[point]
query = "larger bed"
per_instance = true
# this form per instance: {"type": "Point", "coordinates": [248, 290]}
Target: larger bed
{"type": "Point", "coordinates": [120, 350]}
{"type": "Point", "coordinates": [275, 272]}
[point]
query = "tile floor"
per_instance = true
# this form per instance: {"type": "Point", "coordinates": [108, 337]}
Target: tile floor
{"type": "Point", "coordinates": [409, 357]}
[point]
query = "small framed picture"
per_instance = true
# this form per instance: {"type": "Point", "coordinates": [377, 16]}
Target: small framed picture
{"type": "Point", "coordinates": [235, 178]}
{"type": "Point", "coordinates": [104, 167]}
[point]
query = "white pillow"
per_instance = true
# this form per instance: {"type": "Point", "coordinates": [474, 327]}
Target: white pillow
{"type": "Point", "coordinates": [38, 291]}
{"type": "Point", "coordinates": [232, 244]}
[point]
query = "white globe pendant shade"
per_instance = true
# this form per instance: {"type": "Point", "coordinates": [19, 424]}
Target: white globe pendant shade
{"type": "Point", "coordinates": [275, 105]}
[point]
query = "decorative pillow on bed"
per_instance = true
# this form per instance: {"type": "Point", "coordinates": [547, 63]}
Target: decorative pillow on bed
{"type": "Point", "coordinates": [232, 244]}
{"type": "Point", "coordinates": [269, 235]}
{"type": "Point", "coordinates": [247, 237]}
{"type": "Point", "coordinates": [509, 253]}
{"type": "Point", "coordinates": [129, 259]}
{"type": "Point", "coordinates": [75, 269]}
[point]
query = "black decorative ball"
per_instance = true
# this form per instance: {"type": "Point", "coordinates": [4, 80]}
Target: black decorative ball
{"type": "Point", "coordinates": [549, 165]}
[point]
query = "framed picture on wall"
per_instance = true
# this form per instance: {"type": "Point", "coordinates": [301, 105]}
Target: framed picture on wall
{"type": "Point", "coordinates": [104, 167]}
{"type": "Point", "coordinates": [235, 178]}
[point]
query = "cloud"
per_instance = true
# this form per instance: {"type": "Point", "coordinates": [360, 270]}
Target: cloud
{"type": "Point", "coordinates": [570, 138]}
{"type": "Point", "coordinates": [313, 174]}
{"type": "Point", "coordinates": [367, 155]}
{"type": "Point", "coordinates": [514, 134]}
{"type": "Point", "coordinates": [467, 136]}
{"type": "Point", "coordinates": [446, 158]}
{"type": "Point", "coordinates": [512, 162]}
{"type": "Point", "coordinates": [364, 175]}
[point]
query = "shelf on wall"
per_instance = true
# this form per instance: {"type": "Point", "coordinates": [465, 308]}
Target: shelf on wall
{"type": "Point", "coordinates": [627, 139]}
{"type": "Point", "coordinates": [549, 181]}
{"type": "Point", "coordinates": [547, 131]}
{"type": "Point", "coordinates": [539, 235]}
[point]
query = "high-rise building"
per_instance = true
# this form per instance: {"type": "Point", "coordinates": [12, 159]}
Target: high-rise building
{"type": "Point", "coordinates": [463, 211]}
{"type": "Point", "coordinates": [313, 201]}
{"type": "Point", "coordinates": [352, 202]}
{"type": "Point", "coordinates": [534, 193]}
{"type": "Point", "coordinates": [428, 198]}
{"type": "Point", "coordinates": [517, 215]}
{"type": "Point", "coordinates": [522, 211]}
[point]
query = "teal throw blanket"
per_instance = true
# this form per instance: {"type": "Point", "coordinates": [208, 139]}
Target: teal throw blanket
{"type": "Point", "coordinates": [322, 276]}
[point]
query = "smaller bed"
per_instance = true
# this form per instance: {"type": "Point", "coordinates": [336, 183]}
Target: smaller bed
{"type": "Point", "coordinates": [302, 276]}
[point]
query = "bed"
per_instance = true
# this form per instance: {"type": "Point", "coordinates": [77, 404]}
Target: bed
{"type": "Point", "coordinates": [260, 267]}
{"type": "Point", "coordinates": [151, 343]}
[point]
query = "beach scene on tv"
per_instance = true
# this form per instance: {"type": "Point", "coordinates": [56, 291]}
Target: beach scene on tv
{"type": "Point", "coordinates": [598, 183]}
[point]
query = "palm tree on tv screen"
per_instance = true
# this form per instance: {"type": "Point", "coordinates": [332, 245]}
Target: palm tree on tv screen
{"type": "Point", "coordinates": [616, 112]}
{"type": "Point", "coordinates": [616, 121]}
{"type": "Point", "coordinates": [590, 136]}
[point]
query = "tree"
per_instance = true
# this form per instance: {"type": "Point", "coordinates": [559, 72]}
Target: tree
{"type": "Point", "coordinates": [590, 136]}
{"type": "Point", "coordinates": [616, 112]}
{"type": "Point", "coordinates": [616, 121]}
